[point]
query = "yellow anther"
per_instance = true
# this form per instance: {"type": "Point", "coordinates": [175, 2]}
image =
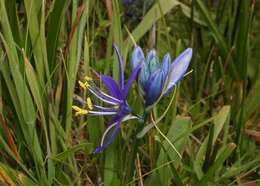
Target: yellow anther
{"type": "Point", "coordinates": [89, 102]}
{"type": "Point", "coordinates": [82, 85]}
{"type": "Point", "coordinates": [86, 84]}
{"type": "Point", "coordinates": [79, 111]}
{"type": "Point", "coordinates": [76, 108]}
{"type": "Point", "coordinates": [87, 78]}
{"type": "Point", "coordinates": [116, 107]}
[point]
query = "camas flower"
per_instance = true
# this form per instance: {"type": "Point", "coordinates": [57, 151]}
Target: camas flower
{"type": "Point", "coordinates": [116, 97]}
{"type": "Point", "coordinates": [157, 79]}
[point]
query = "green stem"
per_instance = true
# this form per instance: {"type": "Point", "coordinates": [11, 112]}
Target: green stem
{"type": "Point", "coordinates": [165, 137]}
{"type": "Point", "coordinates": [131, 166]}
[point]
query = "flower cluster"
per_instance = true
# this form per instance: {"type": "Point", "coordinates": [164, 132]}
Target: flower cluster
{"type": "Point", "coordinates": [156, 79]}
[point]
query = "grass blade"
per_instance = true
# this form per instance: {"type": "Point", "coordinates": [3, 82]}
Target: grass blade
{"type": "Point", "coordinates": [217, 164]}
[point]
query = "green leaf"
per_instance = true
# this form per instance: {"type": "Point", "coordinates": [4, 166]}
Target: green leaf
{"type": "Point", "coordinates": [164, 175]}
{"type": "Point", "coordinates": [217, 164]}
{"type": "Point", "coordinates": [219, 120]}
{"type": "Point", "coordinates": [86, 147]}
{"type": "Point", "coordinates": [53, 32]}
{"type": "Point", "coordinates": [26, 111]}
{"type": "Point", "coordinates": [252, 102]}
{"type": "Point", "coordinates": [38, 46]}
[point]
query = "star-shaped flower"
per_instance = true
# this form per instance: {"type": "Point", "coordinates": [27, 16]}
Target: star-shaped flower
{"type": "Point", "coordinates": [116, 97]}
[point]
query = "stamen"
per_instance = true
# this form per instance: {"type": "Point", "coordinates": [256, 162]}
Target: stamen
{"type": "Point", "coordinates": [79, 111]}
{"type": "Point", "coordinates": [96, 89]}
{"type": "Point", "coordinates": [87, 78]}
{"type": "Point", "coordinates": [82, 85]}
{"type": "Point", "coordinates": [116, 107]}
{"type": "Point", "coordinates": [98, 113]}
{"type": "Point", "coordinates": [106, 109]}
{"type": "Point", "coordinates": [102, 96]}
{"type": "Point", "coordinates": [89, 102]}
{"type": "Point", "coordinates": [87, 84]}
{"type": "Point", "coordinates": [76, 108]}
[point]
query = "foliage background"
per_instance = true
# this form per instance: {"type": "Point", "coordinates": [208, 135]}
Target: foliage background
{"type": "Point", "coordinates": [213, 121]}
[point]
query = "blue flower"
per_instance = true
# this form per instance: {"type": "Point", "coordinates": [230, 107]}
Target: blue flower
{"type": "Point", "coordinates": [116, 97]}
{"type": "Point", "coordinates": [157, 79]}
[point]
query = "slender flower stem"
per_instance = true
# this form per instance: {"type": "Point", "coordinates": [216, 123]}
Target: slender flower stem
{"type": "Point", "coordinates": [170, 143]}
{"type": "Point", "coordinates": [135, 147]}
{"type": "Point", "coordinates": [151, 125]}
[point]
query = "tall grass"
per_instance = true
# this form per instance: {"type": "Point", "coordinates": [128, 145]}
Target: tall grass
{"type": "Point", "coordinates": [46, 46]}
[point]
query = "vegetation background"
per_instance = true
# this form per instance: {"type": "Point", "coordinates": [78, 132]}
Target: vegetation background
{"type": "Point", "coordinates": [46, 46]}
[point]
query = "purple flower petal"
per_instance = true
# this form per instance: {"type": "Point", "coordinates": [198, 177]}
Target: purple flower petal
{"type": "Point", "coordinates": [130, 80]}
{"type": "Point", "coordinates": [137, 57]}
{"type": "Point", "coordinates": [121, 73]}
{"type": "Point", "coordinates": [103, 146]}
{"type": "Point", "coordinates": [154, 87]}
{"type": "Point", "coordinates": [165, 66]}
{"type": "Point", "coordinates": [123, 110]}
{"type": "Point", "coordinates": [152, 61]}
{"type": "Point", "coordinates": [144, 75]}
{"type": "Point", "coordinates": [151, 54]}
{"type": "Point", "coordinates": [103, 96]}
{"type": "Point", "coordinates": [178, 68]}
{"type": "Point", "coordinates": [111, 86]}
{"type": "Point", "coordinates": [105, 109]}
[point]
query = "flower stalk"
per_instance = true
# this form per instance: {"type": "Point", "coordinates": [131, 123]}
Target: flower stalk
{"type": "Point", "coordinates": [135, 145]}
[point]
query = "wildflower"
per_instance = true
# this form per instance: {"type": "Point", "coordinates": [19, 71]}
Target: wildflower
{"type": "Point", "coordinates": [116, 97]}
{"type": "Point", "coordinates": [157, 79]}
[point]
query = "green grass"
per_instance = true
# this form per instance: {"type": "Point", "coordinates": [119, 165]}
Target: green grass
{"type": "Point", "coordinates": [47, 46]}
